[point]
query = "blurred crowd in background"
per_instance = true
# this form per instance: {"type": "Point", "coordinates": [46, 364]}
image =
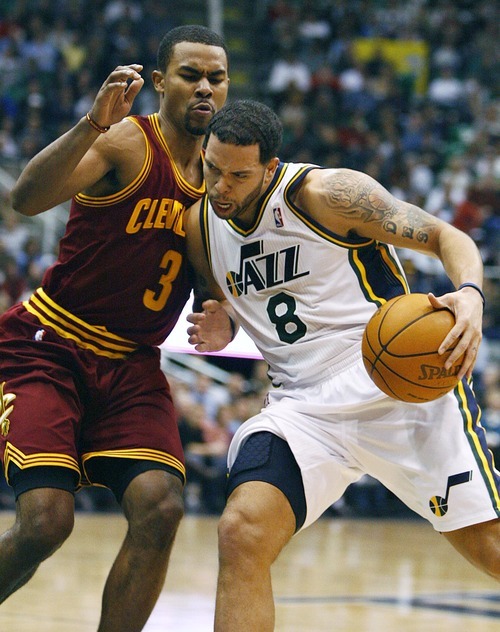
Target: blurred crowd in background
{"type": "Point", "coordinates": [407, 92]}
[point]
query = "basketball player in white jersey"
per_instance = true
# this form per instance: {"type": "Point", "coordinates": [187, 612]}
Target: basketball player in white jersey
{"type": "Point", "coordinates": [305, 256]}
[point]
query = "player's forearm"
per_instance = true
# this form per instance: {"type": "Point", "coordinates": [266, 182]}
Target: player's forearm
{"type": "Point", "coordinates": [232, 318]}
{"type": "Point", "coordinates": [39, 185]}
{"type": "Point", "coordinates": [460, 257]}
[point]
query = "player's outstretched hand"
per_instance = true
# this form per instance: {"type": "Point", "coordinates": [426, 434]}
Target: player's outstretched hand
{"type": "Point", "coordinates": [466, 335]}
{"type": "Point", "coordinates": [211, 329]}
{"type": "Point", "coordinates": [116, 95]}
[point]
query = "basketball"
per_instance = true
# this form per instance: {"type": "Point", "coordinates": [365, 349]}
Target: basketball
{"type": "Point", "coordinates": [400, 349]}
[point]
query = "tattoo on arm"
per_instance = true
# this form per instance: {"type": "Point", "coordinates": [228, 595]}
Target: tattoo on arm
{"type": "Point", "coordinates": [363, 200]}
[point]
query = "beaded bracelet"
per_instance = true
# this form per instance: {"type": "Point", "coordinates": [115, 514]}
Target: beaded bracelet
{"type": "Point", "coordinates": [476, 287]}
{"type": "Point", "coordinates": [95, 125]}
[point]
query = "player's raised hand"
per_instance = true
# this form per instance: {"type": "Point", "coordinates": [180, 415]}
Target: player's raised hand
{"type": "Point", "coordinates": [116, 95]}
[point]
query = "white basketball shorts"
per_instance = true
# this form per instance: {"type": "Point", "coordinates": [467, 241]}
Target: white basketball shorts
{"type": "Point", "coordinates": [432, 456]}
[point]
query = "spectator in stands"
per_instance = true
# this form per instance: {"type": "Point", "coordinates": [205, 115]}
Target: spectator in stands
{"type": "Point", "coordinates": [208, 394]}
{"type": "Point", "coordinates": [13, 230]}
{"type": "Point", "coordinates": [446, 90]}
{"type": "Point", "coordinates": [38, 47]}
{"type": "Point", "coordinates": [12, 283]}
{"type": "Point", "coordinates": [287, 71]}
{"type": "Point", "coordinates": [205, 444]}
{"type": "Point", "coordinates": [32, 261]}
{"type": "Point", "coordinates": [9, 145]}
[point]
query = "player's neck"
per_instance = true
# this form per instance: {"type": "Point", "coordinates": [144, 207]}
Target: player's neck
{"type": "Point", "coordinates": [185, 149]}
{"type": "Point", "coordinates": [248, 217]}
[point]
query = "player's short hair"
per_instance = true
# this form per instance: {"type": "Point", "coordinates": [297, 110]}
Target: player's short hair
{"type": "Point", "coordinates": [247, 122]}
{"type": "Point", "coordinates": [194, 33]}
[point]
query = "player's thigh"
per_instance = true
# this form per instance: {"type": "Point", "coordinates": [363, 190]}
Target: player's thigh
{"type": "Point", "coordinates": [137, 407]}
{"type": "Point", "coordinates": [138, 424]}
{"type": "Point", "coordinates": [267, 458]}
{"type": "Point", "coordinates": [42, 410]}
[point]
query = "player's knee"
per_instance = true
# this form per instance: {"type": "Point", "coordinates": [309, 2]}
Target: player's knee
{"type": "Point", "coordinates": [168, 513]}
{"type": "Point", "coordinates": [154, 515]}
{"type": "Point", "coordinates": [494, 568]}
{"type": "Point", "coordinates": [491, 561]}
{"type": "Point", "coordinates": [480, 545]}
{"type": "Point", "coordinates": [488, 561]}
{"type": "Point", "coordinates": [43, 532]}
{"type": "Point", "coordinates": [162, 519]}
{"type": "Point", "coordinates": [240, 535]}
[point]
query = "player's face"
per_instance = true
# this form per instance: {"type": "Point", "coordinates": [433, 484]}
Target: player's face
{"type": "Point", "coordinates": [235, 179]}
{"type": "Point", "coordinates": [194, 86]}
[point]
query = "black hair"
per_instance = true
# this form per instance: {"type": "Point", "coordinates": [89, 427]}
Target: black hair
{"type": "Point", "coordinates": [246, 122]}
{"type": "Point", "coordinates": [189, 33]}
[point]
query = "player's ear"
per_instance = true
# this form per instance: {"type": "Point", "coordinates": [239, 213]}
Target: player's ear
{"type": "Point", "coordinates": [158, 81]}
{"type": "Point", "coordinates": [271, 167]}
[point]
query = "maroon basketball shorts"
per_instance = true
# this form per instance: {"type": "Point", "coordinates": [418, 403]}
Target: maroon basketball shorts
{"type": "Point", "coordinates": [64, 406]}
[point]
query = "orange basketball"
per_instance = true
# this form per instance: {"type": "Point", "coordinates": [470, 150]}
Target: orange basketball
{"type": "Point", "coordinates": [400, 346]}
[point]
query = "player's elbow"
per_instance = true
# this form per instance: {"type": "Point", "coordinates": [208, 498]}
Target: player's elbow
{"type": "Point", "coordinates": [22, 202]}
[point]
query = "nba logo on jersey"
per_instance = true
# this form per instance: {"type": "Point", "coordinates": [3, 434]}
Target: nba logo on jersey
{"type": "Point", "coordinates": [278, 217]}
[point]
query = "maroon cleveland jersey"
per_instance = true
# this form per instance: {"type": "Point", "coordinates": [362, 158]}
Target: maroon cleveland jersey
{"type": "Point", "coordinates": [122, 261]}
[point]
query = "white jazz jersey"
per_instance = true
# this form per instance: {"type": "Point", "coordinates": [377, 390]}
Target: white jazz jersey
{"type": "Point", "coordinates": [304, 294]}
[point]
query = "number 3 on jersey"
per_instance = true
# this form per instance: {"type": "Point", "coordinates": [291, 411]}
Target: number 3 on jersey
{"type": "Point", "coordinates": [281, 310]}
{"type": "Point", "coordinates": [170, 265]}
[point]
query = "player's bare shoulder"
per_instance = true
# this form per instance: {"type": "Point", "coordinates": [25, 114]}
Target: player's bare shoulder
{"type": "Point", "coordinates": [348, 201]}
{"type": "Point", "coordinates": [128, 146]}
{"type": "Point", "coordinates": [348, 193]}
{"type": "Point", "coordinates": [123, 148]}
{"type": "Point", "coordinates": [339, 198]}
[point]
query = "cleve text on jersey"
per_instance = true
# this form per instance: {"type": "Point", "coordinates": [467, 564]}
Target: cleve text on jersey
{"type": "Point", "coordinates": [153, 213]}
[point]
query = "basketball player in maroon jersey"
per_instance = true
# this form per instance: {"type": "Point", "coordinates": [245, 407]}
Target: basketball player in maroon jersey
{"type": "Point", "coordinates": [82, 396]}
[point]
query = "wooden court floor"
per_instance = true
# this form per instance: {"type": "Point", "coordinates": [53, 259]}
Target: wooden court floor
{"type": "Point", "coordinates": [340, 575]}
